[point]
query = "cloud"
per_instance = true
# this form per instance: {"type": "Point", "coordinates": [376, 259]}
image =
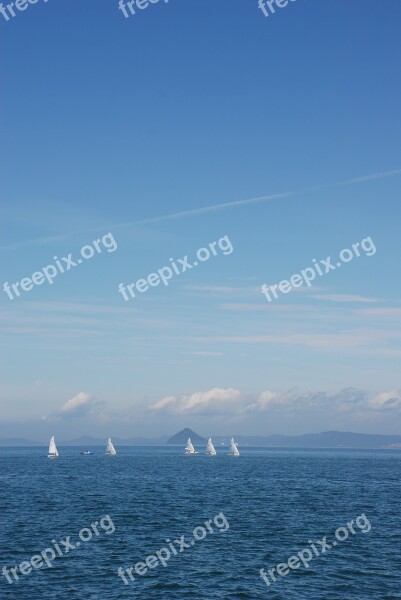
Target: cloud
{"type": "Point", "coordinates": [267, 400]}
{"type": "Point", "coordinates": [206, 353]}
{"type": "Point", "coordinates": [346, 340]}
{"type": "Point", "coordinates": [390, 312]}
{"type": "Point", "coordinates": [344, 298]}
{"type": "Point", "coordinates": [233, 403]}
{"type": "Point", "coordinates": [297, 308]}
{"type": "Point", "coordinates": [386, 401]}
{"type": "Point", "coordinates": [220, 289]}
{"type": "Point", "coordinates": [81, 405]}
{"type": "Point", "coordinates": [349, 402]}
{"type": "Point", "coordinates": [214, 401]}
{"type": "Point", "coordinates": [77, 403]}
{"type": "Point", "coordinates": [357, 403]}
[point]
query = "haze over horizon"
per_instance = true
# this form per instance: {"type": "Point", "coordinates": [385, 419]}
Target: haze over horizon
{"type": "Point", "coordinates": [218, 412]}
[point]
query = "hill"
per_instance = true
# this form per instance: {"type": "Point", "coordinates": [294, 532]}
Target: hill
{"type": "Point", "coordinates": [182, 436]}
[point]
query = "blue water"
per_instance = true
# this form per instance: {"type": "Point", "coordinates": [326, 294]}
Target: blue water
{"type": "Point", "coordinates": [274, 502]}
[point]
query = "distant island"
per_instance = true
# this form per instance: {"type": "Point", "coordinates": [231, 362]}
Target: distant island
{"type": "Point", "coordinates": [327, 439]}
{"type": "Point", "coordinates": [182, 436]}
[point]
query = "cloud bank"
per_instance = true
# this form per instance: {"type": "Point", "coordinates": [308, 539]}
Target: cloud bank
{"type": "Point", "coordinates": [232, 403]}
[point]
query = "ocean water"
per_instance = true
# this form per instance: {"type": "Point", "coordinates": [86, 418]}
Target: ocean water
{"type": "Point", "coordinates": [272, 505]}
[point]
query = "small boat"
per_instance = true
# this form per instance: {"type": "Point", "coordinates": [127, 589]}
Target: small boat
{"type": "Point", "coordinates": [87, 452]}
{"type": "Point", "coordinates": [189, 449]}
{"type": "Point", "coordinates": [110, 450]}
{"type": "Point", "coordinates": [53, 453]}
{"type": "Point", "coordinates": [210, 449]}
{"type": "Point", "coordinates": [233, 448]}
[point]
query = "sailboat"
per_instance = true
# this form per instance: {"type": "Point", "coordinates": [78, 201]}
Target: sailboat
{"type": "Point", "coordinates": [233, 448]}
{"type": "Point", "coordinates": [210, 449]}
{"type": "Point", "coordinates": [189, 449]}
{"type": "Point", "coordinates": [110, 450]}
{"type": "Point", "coordinates": [52, 448]}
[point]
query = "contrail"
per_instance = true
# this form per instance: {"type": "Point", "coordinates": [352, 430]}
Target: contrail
{"type": "Point", "coordinates": [205, 209]}
{"type": "Point", "coordinates": [374, 176]}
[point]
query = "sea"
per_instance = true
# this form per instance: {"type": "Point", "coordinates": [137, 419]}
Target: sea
{"type": "Point", "coordinates": [221, 519]}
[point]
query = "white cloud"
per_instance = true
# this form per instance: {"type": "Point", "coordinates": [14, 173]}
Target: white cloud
{"type": "Point", "coordinates": [354, 403]}
{"type": "Point", "coordinates": [268, 400]}
{"type": "Point", "coordinates": [77, 402]}
{"type": "Point", "coordinates": [216, 400]}
{"type": "Point", "coordinates": [81, 405]}
{"type": "Point", "coordinates": [345, 298]}
{"type": "Point", "coordinates": [386, 401]}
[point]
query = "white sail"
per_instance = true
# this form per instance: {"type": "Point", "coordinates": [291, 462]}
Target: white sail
{"type": "Point", "coordinates": [189, 449]}
{"type": "Point", "coordinates": [52, 448]}
{"type": "Point", "coordinates": [110, 450]}
{"type": "Point", "coordinates": [210, 449]}
{"type": "Point", "coordinates": [233, 448]}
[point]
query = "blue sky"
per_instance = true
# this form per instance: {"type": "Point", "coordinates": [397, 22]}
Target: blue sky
{"type": "Point", "coordinates": [110, 124]}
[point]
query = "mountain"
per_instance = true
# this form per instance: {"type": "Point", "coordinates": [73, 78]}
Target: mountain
{"type": "Point", "coordinates": [181, 438]}
{"type": "Point", "coordinates": [346, 439]}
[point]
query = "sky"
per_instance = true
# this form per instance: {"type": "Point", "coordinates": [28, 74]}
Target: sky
{"type": "Point", "coordinates": [187, 123]}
